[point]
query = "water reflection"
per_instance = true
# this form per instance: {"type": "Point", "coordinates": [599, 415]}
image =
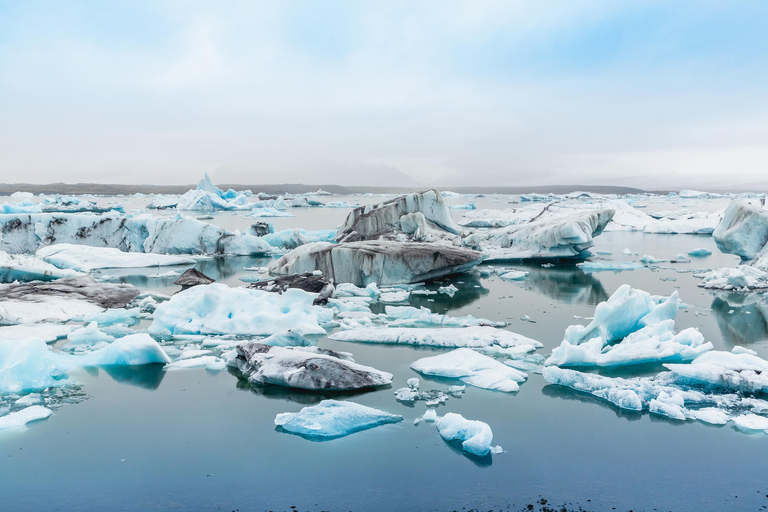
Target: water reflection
{"type": "Point", "coordinates": [147, 376]}
{"type": "Point", "coordinates": [742, 318]}
{"type": "Point", "coordinates": [566, 393]}
{"type": "Point", "coordinates": [470, 289]}
{"type": "Point", "coordinates": [567, 284]}
{"type": "Point", "coordinates": [481, 462]}
{"type": "Point", "coordinates": [224, 267]}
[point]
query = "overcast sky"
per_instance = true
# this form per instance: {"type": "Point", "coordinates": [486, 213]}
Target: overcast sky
{"type": "Point", "coordinates": [668, 94]}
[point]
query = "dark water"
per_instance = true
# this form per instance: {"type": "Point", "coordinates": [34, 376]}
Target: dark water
{"type": "Point", "coordinates": [194, 440]}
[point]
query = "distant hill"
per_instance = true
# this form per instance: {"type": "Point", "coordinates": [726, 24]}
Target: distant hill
{"type": "Point", "coordinates": [296, 188]}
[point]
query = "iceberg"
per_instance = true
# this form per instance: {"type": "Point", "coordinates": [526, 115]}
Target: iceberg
{"type": "Point", "coordinates": [18, 267]}
{"type": "Point", "coordinates": [372, 222]}
{"type": "Point", "coordinates": [76, 298]}
{"type": "Point", "coordinates": [475, 436]}
{"type": "Point", "coordinates": [467, 337]}
{"type": "Point", "coordinates": [563, 235]}
{"type": "Point", "coordinates": [304, 368]}
{"type": "Point", "coordinates": [628, 218]}
{"type": "Point", "coordinates": [219, 309]}
{"type": "Point", "coordinates": [645, 328]}
{"type": "Point", "coordinates": [27, 415]}
{"type": "Point", "coordinates": [87, 338]}
{"type": "Point", "coordinates": [381, 262]}
{"type": "Point", "coordinates": [30, 365]}
{"type": "Point", "coordinates": [743, 277]}
{"type": "Point", "coordinates": [742, 231]}
{"type": "Point", "coordinates": [309, 282]}
{"type": "Point", "coordinates": [208, 197]}
{"type": "Point", "coordinates": [42, 332]}
{"type": "Point", "coordinates": [293, 238]}
{"type": "Point", "coordinates": [85, 258]}
{"type": "Point", "coordinates": [739, 372]}
{"type": "Point", "coordinates": [331, 419]}
{"type": "Point", "coordinates": [699, 252]}
{"type": "Point", "coordinates": [268, 212]}
{"type": "Point", "coordinates": [140, 233]}
{"type": "Point", "coordinates": [473, 369]}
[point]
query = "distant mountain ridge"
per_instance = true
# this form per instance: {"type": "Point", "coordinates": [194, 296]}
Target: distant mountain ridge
{"type": "Point", "coordinates": [297, 188]}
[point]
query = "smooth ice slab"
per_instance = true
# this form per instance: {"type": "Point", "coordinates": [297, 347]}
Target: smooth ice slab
{"type": "Point", "coordinates": [331, 419]}
{"type": "Point", "coordinates": [85, 258]}
{"type": "Point", "coordinates": [471, 368]}
{"type": "Point", "coordinates": [219, 309]}
{"type": "Point", "coordinates": [18, 267]}
{"type": "Point", "coordinates": [305, 368]}
{"type": "Point", "coordinates": [471, 337]}
{"type": "Point", "coordinates": [21, 418]}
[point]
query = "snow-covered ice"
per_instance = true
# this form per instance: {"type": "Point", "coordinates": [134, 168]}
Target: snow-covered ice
{"type": "Point", "coordinates": [21, 418]}
{"type": "Point", "coordinates": [85, 258]}
{"type": "Point", "coordinates": [471, 368]}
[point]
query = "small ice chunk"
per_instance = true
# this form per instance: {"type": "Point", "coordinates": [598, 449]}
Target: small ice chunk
{"type": "Point", "coordinates": [475, 436]}
{"type": "Point", "coordinates": [471, 368]}
{"type": "Point", "coordinates": [449, 290]}
{"type": "Point", "coordinates": [751, 423]}
{"type": "Point", "coordinates": [699, 253]}
{"type": "Point", "coordinates": [513, 275]}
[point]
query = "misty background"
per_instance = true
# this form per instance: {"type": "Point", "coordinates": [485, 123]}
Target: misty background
{"type": "Point", "coordinates": [655, 95]}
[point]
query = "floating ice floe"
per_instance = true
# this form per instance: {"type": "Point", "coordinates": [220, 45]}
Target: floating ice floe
{"type": "Point", "coordinates": [85, 258]}
{"type": "Point", "coordinates": [32, 332]}
{"type": "Point", "coordinates": [219, 309]}
{"type": "Point", "coordinates": [77, 298]}
{"type": "Point", "coordinates": [86, 339]}
{"type": "Point", "coordinates": [332, 419]}
{"type": "Point", "coordinates": [31, 365]}
{"type": "Point", "coordinates": [19, 267]}
{"type": "Point", "coordinates": [431, 398]}
{"type": "Point", "coordinates": [645, 328]}
{"type": "Point", "coordinates": [475, 436]}
{"type": "Point", "coordinates": [408, 316]}
{"type": "Point", "coordinates": [418, 216]}
{"type": "Point", "coordinates": [739, 372]}
{"type": "Point", "coordinates": [377, 261]}
{"type": "Point", "coordinates": [305, 368]}
{"type": "Point", "coordinates": [26, 233]}
{"type": "Point", "coordinates": [628, 218]}
{"type": "Point", "coordinates": [612, 266]}
{"type": "Point", "coordinates": [473, 369]}
{"type": "Point", "coordinates": [513, 275]}
{"type": "Point", "coordinates": [743, 277]}
{"type": "Point", "coordinates": [27, 415]}
{"type": "Point", "coordinates": [468, 337]}
{"type": "Point", "coordinates": [699, 252]}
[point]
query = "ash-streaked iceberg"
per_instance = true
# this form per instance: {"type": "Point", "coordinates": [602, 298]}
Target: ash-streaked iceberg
{"type": "Point", "coordinates": [331, 419]}
{"type": "Point", "coordinates": [377, 261]}
{"type": "Point", "coordinates": [419, 216]}
{"type": "Point", "coordinates": [307, 368]}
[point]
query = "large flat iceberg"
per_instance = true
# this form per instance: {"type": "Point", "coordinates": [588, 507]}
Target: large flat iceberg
{"type": "Point", "coordinates": [332, 419]}
{"type": "Point", "coordinates": [219, 309]}
{"type": "Point", "coordinates": [471, 368]}
{"type": "Point", "coordinates": [85, 258]}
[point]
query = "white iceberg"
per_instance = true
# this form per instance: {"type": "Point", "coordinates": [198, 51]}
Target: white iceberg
{"type": "Point", "coordinates": [743, 277]}
{"type": "Point", "coordinates": [331, 419]}
{"type": "Point", "coordinates": [740, 372]}
{"type": "Point", "coordinates": [21, 418]}
{"type": "Point", "coordinates": [85, 258]}
{"type": "Point", "coordinates": [475, 436]}
{"type": "Point", "coordinates": [743, 230]}
{"type": "Point", "coordinates": [19, 267]}
{"type": "Point", "coordinates": [219, 309]}
{"type": "Point", "coordinates": [473, 369]}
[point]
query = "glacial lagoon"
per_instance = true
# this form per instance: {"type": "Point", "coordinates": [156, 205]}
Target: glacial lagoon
{"type": "Point", "coordinates": [149, 438]}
